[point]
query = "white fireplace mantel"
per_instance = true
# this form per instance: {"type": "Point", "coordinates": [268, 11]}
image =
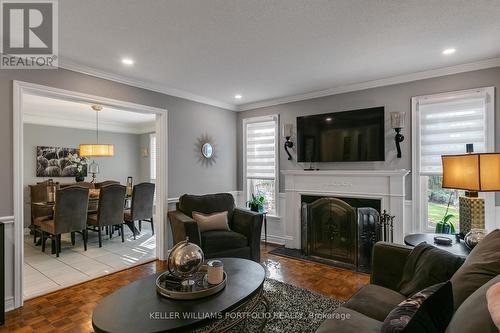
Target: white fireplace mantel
{"type": "Point", "coordinates": [388, 186]}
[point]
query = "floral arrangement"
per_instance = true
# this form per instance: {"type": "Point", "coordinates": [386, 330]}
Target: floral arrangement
{"type": "Point", "coordinates": [81, 165]}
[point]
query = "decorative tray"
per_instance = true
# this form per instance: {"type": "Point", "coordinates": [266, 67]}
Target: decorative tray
{"type": "Point", "coordinates": [171, 287]}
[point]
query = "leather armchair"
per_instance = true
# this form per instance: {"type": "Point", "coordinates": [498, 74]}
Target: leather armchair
{"type": "Point", "coordinates": [241, 241]}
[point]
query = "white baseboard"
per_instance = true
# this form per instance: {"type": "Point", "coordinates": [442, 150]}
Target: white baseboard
{"type": "Point", "coordinates": [279, 240]}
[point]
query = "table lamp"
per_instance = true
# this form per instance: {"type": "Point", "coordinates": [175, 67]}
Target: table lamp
{"type": "Point", "coordinates": [473, 173]}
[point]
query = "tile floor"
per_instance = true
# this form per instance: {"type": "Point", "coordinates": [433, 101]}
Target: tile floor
{"type": "Point", "coordinates": [44, 273]}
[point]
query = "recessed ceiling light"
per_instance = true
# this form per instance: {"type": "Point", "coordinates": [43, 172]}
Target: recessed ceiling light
{"type": "Point", "coordinates": [127, 61]}
{"type": "Point", "coordinates": [328, 119]}
{"type": "Point", "coordinates": [449, 51]}
{"type": "Point", "coordinates": [238, 96]}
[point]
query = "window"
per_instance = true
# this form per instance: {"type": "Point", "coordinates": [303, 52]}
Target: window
{"type": "Point", "coordinates": [442, 125]}
{"type": "Point", "coordinates": [152, 157]}
{"type": "Point", "coordinates": [261, 159]}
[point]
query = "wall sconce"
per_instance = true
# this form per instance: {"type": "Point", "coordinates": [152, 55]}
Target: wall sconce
{"type": "Point", "coordinates": [287, 134]}
{"type": "Point", "coordinates": [397, 123]}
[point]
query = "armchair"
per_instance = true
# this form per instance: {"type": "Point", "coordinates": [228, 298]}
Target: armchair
{"type": "Point", "coordinates": [241, 241]}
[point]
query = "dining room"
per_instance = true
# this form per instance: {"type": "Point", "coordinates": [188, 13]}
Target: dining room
{"type": "Point", "coordinates": [89, 173]}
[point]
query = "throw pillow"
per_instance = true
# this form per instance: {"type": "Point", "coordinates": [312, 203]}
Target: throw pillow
{"type": "Point", "coordinates": [493, 298]}
{"type": "Point", "coordinates": [482, 264]}
{"type": "Point", "coordinates": [473, 315]}
{"type": "Point", "coordinates": [428, 311]}
{"type": "Point", "coordinates": [427, 265]}
{"type": "Point", "coordinates": [208, 222]}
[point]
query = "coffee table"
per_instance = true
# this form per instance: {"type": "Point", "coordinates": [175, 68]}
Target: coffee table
{"type": "Point", "coordinates": [139, 308]}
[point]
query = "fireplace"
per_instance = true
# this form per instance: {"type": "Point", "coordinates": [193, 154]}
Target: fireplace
{"type": "Point", "coordinates": [340, 230]}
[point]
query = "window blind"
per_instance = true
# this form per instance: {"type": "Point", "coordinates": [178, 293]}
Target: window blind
{"type": "Point", "coordinates": [261, 149]}
{"type": "Point", "coordinates": [446, 126]}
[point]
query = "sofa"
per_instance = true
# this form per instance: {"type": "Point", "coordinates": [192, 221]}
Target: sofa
{"type": "Point", "coordinates": [241, 241]}
{"type": "Point", "coordinates": [471, 278]}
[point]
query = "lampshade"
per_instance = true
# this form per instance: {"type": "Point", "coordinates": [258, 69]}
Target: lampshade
{"type": "Point", "coordinates": [93, 167]}
{"type": "Point", "coordinates": [398, 119]}
{"type": "Point", "coordinates": [472, 172]}
{"type": "Point", "coordinates": [287, 130]}
{"type": "Point", "coordinates": [97, 150]}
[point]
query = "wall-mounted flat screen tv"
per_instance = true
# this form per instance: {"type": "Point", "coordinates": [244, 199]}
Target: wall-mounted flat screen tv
{"type": "Point", "coordinates": [348, 136]}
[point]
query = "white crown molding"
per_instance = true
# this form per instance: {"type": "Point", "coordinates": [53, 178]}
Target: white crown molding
{"type": "Point", "coordinates": [104, 126]}
{"type": "Point", "coordinates": [468, 67]}
{"type": "Point", "coordinates": [66, 64]}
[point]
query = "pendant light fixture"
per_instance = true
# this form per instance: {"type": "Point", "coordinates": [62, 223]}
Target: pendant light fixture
{"type": "Point", "coordinates": [96, 149]}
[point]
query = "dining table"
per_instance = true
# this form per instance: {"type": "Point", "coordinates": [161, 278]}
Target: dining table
{"type": "Point", "coordinates": [92, 209]}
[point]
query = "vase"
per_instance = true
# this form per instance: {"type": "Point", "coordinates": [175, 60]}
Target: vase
{"type": "Point", "coordinates": [254, 208]}
{"type": "Point", "coordinates": [79, 178]}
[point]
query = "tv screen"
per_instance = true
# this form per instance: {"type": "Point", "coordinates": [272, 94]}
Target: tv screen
{"type": "Point", "coordinates": [347, 136]}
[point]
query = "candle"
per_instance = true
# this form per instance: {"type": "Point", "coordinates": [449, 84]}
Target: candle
{"type": "Point", "coordinates": [215, 271]}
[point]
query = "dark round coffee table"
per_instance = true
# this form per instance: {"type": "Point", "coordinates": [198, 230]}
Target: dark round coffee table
{"type": "Point", "coordinates": [457, 248]}
{"type": "Point", "coordinates": [139, 308]}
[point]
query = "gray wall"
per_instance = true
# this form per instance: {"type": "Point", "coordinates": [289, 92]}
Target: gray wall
{"type": "Point", "coordinates": [187, 120]}
{"type": "Point", "coordinates": [394, 98]}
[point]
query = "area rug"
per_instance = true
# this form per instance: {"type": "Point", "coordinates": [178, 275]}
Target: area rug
{"type": "Point", "coordinates": [292, 309]}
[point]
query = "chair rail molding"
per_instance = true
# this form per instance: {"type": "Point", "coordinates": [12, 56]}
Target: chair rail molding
{"type": "Point", "coordinates": [20, 89]}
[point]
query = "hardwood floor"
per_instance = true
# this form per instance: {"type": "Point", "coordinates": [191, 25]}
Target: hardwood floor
{"type": "Point", "coordinates": [70, 309]}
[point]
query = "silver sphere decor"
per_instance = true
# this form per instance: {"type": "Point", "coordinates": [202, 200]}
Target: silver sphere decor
{"type": "Point", "coordinates": [184, 260]}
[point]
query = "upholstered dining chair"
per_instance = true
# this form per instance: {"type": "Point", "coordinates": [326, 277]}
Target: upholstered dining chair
{"type": "Point", "coordinates": [38, 193]}
{"type": "Point", "coordinates": [142, 206]}
{"type": "Point", "coordinates": [70, 215]}
{"type": "Point", "coordinates": [109, 211]}
{"type": "Point", "coordinates": [105, 183]}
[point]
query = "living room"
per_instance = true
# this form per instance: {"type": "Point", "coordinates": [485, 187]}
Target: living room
{"type": "Point", "coordinates": [302, 159]}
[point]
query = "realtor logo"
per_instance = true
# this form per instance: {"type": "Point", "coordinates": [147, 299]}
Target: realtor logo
{"type": "Point", "coordinates": [29, 34]}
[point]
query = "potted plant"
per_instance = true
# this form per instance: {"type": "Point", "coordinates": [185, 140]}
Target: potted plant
{"type": "Point", "coordinates": [256, 203]}
{"type": "Point", "coordinates": [445, 226]}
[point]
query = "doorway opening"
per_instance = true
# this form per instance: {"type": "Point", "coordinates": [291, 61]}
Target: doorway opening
{"type": "Point", "coordinates": [50, 126]}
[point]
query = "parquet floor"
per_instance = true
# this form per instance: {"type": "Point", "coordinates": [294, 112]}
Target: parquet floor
{"type": "Point", "coordinates": [70, 309]}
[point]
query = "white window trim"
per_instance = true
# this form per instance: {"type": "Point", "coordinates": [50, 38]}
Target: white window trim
{"type": "Point", "coordinates": [419, 214]}
{"type": "Point", "coordinates": [246, 121]}
{"type": "Point", "coordinates": [151, 162]}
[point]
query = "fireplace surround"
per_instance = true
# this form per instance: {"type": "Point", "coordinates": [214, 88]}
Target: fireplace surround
{"type": "Point", "coordinates": [386, 186]}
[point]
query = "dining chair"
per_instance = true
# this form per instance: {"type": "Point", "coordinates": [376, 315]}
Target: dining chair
{"type": "Point", "coordinates": [110, 210]}
{"type": "Point", "coordinates": [105, 183]}
{"type": "Point", "coordinates": [70, 215]}
{"type": "Point", "coordinates": [142, 206]}
{"type": "Point", "coordinates": [38, 193]}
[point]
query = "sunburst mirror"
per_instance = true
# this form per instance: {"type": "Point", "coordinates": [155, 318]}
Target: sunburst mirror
{"type": "Point", "coordinates": [206, 150]}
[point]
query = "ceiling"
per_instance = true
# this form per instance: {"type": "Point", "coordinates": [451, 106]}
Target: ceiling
{"type": "Point", "coordinates": [210, 50]}
{"type": "Point", "coordinates": [55, 112]}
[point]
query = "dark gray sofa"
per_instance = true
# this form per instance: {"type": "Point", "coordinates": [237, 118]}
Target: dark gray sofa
{"type": "Point", "coordinates": [367, 309]}
{"type": "Point", "coordinates": [242, 241]}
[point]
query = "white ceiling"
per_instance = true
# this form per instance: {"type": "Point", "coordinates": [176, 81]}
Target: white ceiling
{"type": "Point", "coordinates": [209, 50]}
{"type": "Point", "coordinates": [55, 112]}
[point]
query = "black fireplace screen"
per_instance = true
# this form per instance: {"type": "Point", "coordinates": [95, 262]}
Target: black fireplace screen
{"type": "Point", "coordinates": [335, 230]}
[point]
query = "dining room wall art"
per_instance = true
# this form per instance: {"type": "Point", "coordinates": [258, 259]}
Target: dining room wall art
{"type": "Point", "coordinates": [59, 162]}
